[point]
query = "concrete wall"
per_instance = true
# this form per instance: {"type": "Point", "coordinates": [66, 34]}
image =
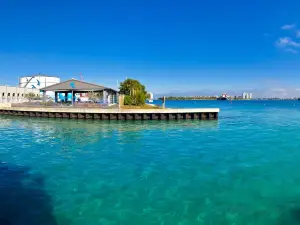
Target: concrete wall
{"type": "Point", "coordinates": [121, 100]}
{"type": "Point", "coordinates": [9, 94]}
{"type": "Point", "coordinates": [112, 114]}
{"type": "Point", "coordinates": [6, 105]}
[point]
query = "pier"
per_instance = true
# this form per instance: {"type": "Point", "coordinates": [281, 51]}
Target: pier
{"type": "Point", "coordinates": [113, 114]}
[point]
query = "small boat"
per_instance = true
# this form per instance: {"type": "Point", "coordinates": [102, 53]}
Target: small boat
{"type": "Point", "coordinates": [223, 97]}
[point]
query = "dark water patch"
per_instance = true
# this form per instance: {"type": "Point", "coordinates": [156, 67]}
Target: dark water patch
{"type": "Point", "coordinates": [23, 199]}
{"type": "Point", "coordinates": [295, 214]}
{"type": "Point", "coordinates": [289, 215]}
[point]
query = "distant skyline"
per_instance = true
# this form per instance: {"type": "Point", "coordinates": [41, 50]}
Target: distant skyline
{"type": "Point", "coordinates": [173, 47]}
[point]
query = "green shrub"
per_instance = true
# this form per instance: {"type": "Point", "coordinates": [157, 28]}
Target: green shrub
{"type": "Point", "coordinates": [135, 93]}
{"type": "Point", "coordinates": [140, 98]}
{"type": "Point", "coordinates": [128, 100]}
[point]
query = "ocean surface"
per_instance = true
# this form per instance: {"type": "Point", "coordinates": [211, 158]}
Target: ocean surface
{"type": "Point", "coordinates": [243, 169]}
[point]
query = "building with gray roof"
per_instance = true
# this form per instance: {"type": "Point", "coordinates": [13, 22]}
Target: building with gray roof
{"type": "Point", "coordinates": [75, 91]}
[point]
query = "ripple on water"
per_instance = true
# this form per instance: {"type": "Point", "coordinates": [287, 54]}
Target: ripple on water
{"type": "Point", "coordinates": [242, 169]}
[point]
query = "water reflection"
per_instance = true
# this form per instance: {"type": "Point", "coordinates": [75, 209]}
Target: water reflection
{"type": "Point", "coordinates": [87, 128]}
{"type": "Point", "coordinates": [69, 136]}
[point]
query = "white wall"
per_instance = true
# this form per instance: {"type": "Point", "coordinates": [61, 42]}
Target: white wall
{"type": "Point", "coordinates": [10, 94]}
{"type": "Point", "coordinates": [38, 81]}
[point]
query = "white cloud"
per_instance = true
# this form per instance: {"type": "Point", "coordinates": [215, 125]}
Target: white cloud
{"type": "Point", "coordinates": [280, 90]}
{"type": "Point", "coordinates": [288, 27]}
{"type": "Point", "coordinates": [285, 42]}
{"type": "Point", "coordinates": [291, 50]}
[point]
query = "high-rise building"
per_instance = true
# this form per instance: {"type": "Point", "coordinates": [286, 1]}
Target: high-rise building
{"type": "Point", "coordinates": [247, 95]}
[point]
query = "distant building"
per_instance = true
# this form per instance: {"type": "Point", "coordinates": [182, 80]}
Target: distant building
{"type": "Point", "coordinates": [9, 94]}
{"type": "Point", "coordinates": [246, 95]}
{"type": "Point", "coordinates": [39, 81]}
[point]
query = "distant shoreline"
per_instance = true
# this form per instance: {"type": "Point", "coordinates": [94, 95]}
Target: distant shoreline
{"type": "Point", "coordinates": [296, 99]}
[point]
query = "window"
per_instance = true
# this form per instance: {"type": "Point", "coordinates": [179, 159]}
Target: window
{"type": "Point", "coordinates": [3, 95]}
{"type": "Point", "coordinates": [8, 94]}
{"type": "Point", "coordinates": [14, 94]}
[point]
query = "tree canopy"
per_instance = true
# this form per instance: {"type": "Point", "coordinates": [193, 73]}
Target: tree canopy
{"type": "Point", "coordinates": [135, 93]}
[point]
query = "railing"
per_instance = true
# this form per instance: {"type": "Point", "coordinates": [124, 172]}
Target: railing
{"type": "Point", "coordinates": [40, 104]}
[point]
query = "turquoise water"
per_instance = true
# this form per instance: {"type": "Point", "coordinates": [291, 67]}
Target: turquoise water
{"type": "Point", "coordinates": [242, 169]}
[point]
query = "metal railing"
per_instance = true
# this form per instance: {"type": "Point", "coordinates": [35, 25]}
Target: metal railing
{"type": "Point", "coordinates": [41, 104]}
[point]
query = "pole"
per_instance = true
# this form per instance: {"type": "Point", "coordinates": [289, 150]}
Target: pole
{"type": "Point", "coordinates": [72, 97]}
{"type": "Point", "coordinates": [55, 97]}
{"type": "Point", "coordinates": [44, 97]}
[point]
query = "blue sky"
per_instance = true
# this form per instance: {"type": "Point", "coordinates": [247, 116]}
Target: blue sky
{"type": "Point", "coordinates": [174, 47]}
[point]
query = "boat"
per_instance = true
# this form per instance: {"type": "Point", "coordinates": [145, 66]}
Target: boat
{"type": "Point", "coordinates": [223, 97]}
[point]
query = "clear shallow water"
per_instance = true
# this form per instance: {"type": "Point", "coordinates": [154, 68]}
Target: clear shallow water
{"type": "Point", "coordinates": [241, 169]}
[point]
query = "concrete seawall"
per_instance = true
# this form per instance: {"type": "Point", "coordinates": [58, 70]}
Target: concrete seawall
{"type": "Point", "coordinates": [113, 114]}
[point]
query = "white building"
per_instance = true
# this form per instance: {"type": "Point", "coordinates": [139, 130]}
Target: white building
{"type": "Point", "coordinates": [27, 84]}
{"type": "Point", "coordinates": [247, 95]}
{"type": "Point", "coordinates": [39, 81]}
{"type": "Point", "coordinates": [9, 94]}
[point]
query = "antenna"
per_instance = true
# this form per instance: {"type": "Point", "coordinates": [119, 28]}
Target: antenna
{"type": "Point", "coordinates": [81, 77]}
